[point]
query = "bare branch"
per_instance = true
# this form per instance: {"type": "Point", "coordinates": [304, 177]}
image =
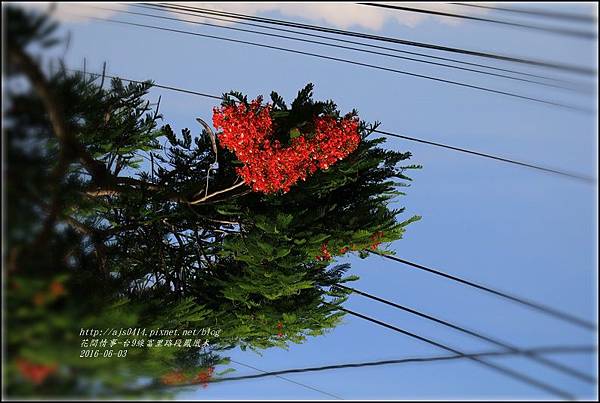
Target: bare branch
{"type": "Point", "coordinates": [202, 199]}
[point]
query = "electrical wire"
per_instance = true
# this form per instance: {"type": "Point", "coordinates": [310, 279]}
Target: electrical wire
{"type": "Point", "coordinates": [567, 85]}
{"type": "Point", "coordinates": [553, 30]}
{"type": "Point", "coordinates": [572, 175]}
{"type": "Point", "coordinates": [507, 58]}
{"type": "Point", "coordinates": [289, 380]}
{"type": "Point", "coordinates": [506, 371]}
{"type": "Point", "coordinates": [402, 72]}
{"type": "Point", "coordinates": [533, 356]}
{"type": "Point", "coordinates": [536, 13]}
{"type": "Point", "coordinates": [542, 308]}
{"type": "Point", "coordinates": [175, 10]}
{"type": "Point", "coordinates": [503, 353]}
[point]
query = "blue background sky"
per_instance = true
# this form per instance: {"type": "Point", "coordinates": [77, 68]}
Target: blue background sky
{"type": "Point", "coordinates": [523, 231]}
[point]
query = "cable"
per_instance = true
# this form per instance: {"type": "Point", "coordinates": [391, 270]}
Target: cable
{"type": "Point", "coordinates": [571, 86]}
{"type": "Point", "coordinates": [539, 350]}
{"type": "Point", "coordinates": [514, 59]}
{"type": "Point", "coordinates": [562, 31]}
{"type": "Point", "coordinates": [542, 360]}
{"type": "Point", "coordinates": [288, 380]}
{"type": "Point", "coordinates": [330, 44]}
{"type": "Point", "coordinates": [553, 171]}
{"type": "Point", "coordinates": [549, 311]}
{"type": "Point", "coordinates": [506, 371]}
{"type": "Point", "coordinates": [542, 350]}
{"type": "Point", "coordinates": [485, 89]}
{"type": "Point", "coordinates": [172, 8]}
{"type": "Point", "coordinates": [583, 178]}
{"type": "Point", "coordinates": [166, 87]}
{"type": "Point", "coordinates": [537, 13]}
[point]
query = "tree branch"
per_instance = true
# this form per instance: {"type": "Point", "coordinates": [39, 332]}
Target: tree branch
{"type": "Point", "coordinates": [105, 182]}
{"type": "Point", "coordinates": [202, 199]}
{"type": "Point", "coordinates": [20, 58]}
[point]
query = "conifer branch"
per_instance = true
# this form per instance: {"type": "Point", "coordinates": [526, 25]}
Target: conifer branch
{"type": "Point", "coordinates": [55, 112]}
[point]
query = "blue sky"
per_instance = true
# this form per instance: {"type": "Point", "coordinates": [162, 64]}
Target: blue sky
{"type": "Point", "coordinates": [523, 231]}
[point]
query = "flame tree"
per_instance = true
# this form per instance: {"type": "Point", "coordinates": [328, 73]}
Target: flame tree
{"type": "Point", "coordinates": [114, 221]}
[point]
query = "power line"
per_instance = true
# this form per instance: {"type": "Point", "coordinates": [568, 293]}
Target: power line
{"type": "Point", "coordinates": [584, 178]}
{"type": "Point", "coordinates": [538, 63]}
{"type": "Point", "coordinates": [537, 13]}
{"type": "Point", "coordinates": [171, 9]}
{"type": "Point", "coordinates": [166, 87]}
{"type": "Point", "coordinates": [506, 371]}
{"type": "Point", "coordinates": [542, 308]}
{"type": "Point", "coordinates": [329, 44]}
{"type": "Point", "coordinates": [490, 156]}
{"type": "Point", "coordinates": [571, 86]}
{"type": "Point", "coordinates": [402, 72]}
{"type": "Point", "coordinates": [503, 353]}
{"type": "Point", "coordinates": [542, 360]}
{"type": "Point", "coordinates": [542, 350]}
{"type": "Point", "coordinates": [288, 380]}
{"type": "Point", "coordinates": [552, 30]}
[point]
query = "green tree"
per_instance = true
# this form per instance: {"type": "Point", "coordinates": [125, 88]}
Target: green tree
{"type": "Point", "coordinates": [108, 228]}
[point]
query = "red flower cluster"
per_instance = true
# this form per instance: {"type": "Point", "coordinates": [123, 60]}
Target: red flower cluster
{"type": "Point", "coordinates": [269, 167]}
{"type": "Point", "coordinates": [36, 373]}
{"type": "Point", "coordinates": [325, 254]}
{"type": "Point", "coordinates": [173, 378]}
{"type": "Point", "coordinates": [376, 239]}
{"type": "Point", "coordinates": [205, 376]}
{"type": "Point", "coordinates": [39, 299]}
{"type": "Point", "coordinates": [279, 327]}
{"type": "Point", "coordinates": [57, 289]}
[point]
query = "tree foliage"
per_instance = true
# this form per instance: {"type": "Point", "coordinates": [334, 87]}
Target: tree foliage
{"type": "Point", "coordinates": [114, 221]}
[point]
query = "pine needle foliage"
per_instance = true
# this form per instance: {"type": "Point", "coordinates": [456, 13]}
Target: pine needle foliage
{"type": "Point", "coordinates": [104, 229]}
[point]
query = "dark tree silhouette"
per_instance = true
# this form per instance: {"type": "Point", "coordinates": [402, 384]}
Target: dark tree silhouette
{"type": "Point", "coordinates": [114, 221]}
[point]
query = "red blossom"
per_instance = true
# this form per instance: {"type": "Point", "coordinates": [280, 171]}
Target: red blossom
{"type": "Point", "coordinates": [268, 166]}
{"type": "Point", "coordinates": [205, 376]}
{"type": "Point", "coordinates": [325, 254]}
{"type": "Point", "coordinates": [173, 378]}
{"type": "Point", "coordinates": [35, 373]}
{"type": "Point", "coordinates": [57, 289]}
{"type": "Point", "coordinates": [39, 299]}
{"type": "Point", "coordinates": [376, 239]}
